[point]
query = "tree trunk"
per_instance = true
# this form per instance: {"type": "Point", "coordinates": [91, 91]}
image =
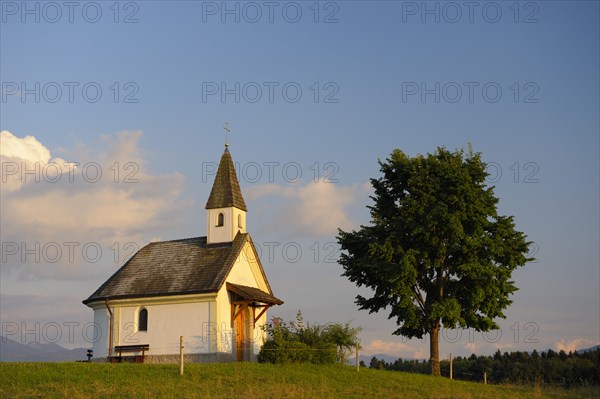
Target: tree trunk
{"type": "Point", "coordinates": [434, 350]}
{"type": "Point", "coordinates": [434, 344]}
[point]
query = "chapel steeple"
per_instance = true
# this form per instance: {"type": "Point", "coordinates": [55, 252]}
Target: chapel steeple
{"type": "Point", "coordinates": [225, 208]}
{"type": "Point", "coordinates": [226, 190]}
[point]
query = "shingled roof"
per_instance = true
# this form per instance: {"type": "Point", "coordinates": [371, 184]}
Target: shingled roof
{"type": "Point", "coordinates": [226, 190]}
{"type": "Point", "coordinates": [178, 267]}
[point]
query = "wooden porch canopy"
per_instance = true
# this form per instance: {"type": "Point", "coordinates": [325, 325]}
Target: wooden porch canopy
{"type": "Point", "coordinates": [244, 297]}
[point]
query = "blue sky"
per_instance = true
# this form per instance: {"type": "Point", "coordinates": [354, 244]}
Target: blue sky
{"type": "Point", "coordinates": [519, 81]}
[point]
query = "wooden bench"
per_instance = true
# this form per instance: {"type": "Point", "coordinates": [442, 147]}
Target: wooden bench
{"type": "Point", "coordinates": [131, 348]}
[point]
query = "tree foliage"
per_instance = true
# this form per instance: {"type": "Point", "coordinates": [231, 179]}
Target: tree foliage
{"type": "Point", "coordinates": [300, 342]}
{"type": "Point", "coordinates": [437, 251]}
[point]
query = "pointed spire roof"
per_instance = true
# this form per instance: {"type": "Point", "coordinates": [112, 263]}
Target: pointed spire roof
{"type": "Point", "coordinates": [226, 190]}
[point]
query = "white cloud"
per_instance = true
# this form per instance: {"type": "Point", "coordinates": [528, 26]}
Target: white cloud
{"type": "Point", "coordinates": [575, 344]}
{"type": "Point", "coordinates": [316, 208]}
{"type": "Point", "coordinates": [26, 159]}
{"type": "Point", "coordinates": [471, 347]}
{"type": "Point", "coordinates": [27, 148]}
{"type": "Point", "coordinates": [108, 199]}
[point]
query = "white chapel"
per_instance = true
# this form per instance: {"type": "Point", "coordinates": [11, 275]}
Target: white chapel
{"type": "Point", "coordinates": [211, 290]}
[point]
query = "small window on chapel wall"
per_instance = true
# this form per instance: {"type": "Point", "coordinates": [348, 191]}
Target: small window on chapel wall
{"type": "Point", "coordinates": [220, 220]}
{"type": "Point", "coordinates": [239, 220]}
{"type": "Point", "coordinates": [143, 320]}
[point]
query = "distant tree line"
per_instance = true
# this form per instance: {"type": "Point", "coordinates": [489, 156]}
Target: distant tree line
{"type": "Point", "coordinates": [553, 368]}
{"type": "Point", "coordinates": [300, 342]}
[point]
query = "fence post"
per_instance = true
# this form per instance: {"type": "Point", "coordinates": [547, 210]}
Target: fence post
{"type": "Point", "coordinates": [451, 366]}
{"type": "Point", "coordinates": [181, 355]}
{"type": "Point", "coordinates": [357, 365]}
{"type": "Point", "coordinates": [485, 377]}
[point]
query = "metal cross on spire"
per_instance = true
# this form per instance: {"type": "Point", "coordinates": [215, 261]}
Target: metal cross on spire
{"type": "Point", "coordinates": [227, 131]}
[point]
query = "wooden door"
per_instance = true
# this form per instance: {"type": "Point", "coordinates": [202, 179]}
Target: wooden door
{"type": "Point", "coordinates": [239, 336]}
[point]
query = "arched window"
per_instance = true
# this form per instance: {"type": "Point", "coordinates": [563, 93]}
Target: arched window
{"type": "Point", "coordinates": [143, 320]}
{"type": "Point", "coordinates": [220, 219]}
{"type": "Point", "coordinates": [239, 220]}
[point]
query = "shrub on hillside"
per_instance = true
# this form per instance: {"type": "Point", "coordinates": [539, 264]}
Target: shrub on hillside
{"type": "Point", "coordinates": [295, 342]}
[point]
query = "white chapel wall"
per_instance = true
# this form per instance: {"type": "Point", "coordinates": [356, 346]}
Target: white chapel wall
{"type": "Point", "coordinates": [244, 272]}
{"type": "Point", "coordinates": [196, 321]}
{"type": "Point", "coordinates": [101, 321]}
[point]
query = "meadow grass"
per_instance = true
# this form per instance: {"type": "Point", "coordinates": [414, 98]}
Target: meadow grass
{"type": "Point", "coordinates": [248, 381]}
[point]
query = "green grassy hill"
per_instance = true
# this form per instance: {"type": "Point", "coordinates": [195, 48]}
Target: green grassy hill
{"type": "Point", "coordinates": [244, 380]}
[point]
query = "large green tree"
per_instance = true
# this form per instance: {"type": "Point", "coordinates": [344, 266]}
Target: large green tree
{"type": "Point", "coordinates": [436, 253]}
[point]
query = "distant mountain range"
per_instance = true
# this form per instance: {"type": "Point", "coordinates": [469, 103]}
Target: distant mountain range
{"type": "Point", "coordinates": [593, 348]}
{"type": "Point", "coordinates": [12, 351]}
